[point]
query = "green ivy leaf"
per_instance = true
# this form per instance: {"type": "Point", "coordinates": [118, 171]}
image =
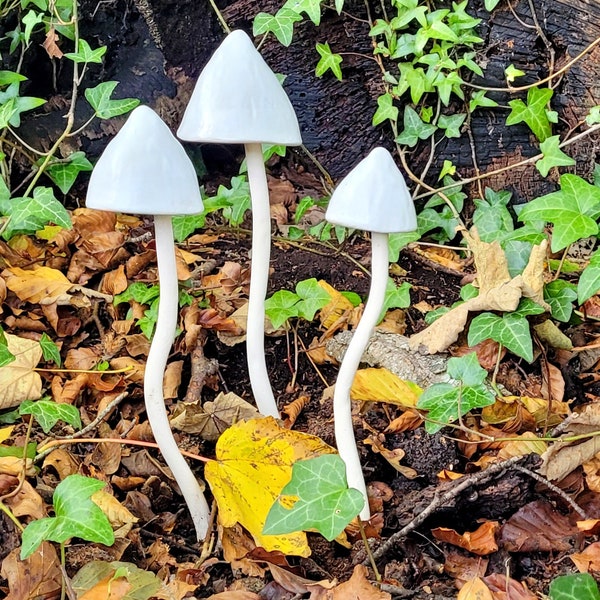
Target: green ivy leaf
{"type": "Point", "coordinates": [385, 109]}
{"type": "Point", "coordinates": [397, 241]}
{"type": "Point", "coordinates": [185, 225]}
{"type": "Point", "coordinates": [328, 61]}
{"type": "Point", "coordinates": [593, 116]}
{"type": "Point", "coordinates": [13, 104]}
{"type": "Point", "coordinates": [85, 54]}
{"type": "Point", "coordinates": [235, 200]}
{"type": "Point", "coordinates": [6, 356]}
{"type": "Point", "coordinates": [281, 25]}
{"type": "Point", "coordinates": [323, 501]}
{"type": "Point", "coordinates": [64, 173]}
{"type": "Point", "coordinates": [511, 330]}
{"type": "Point", "coordinates": [47, 413]}
{"type": "Point", "coordinates": [8, 77]}
{"type": "Point", "coordinates": [281, 306]}
{"type": "Point", "coordinates": [30, 20]}
{"type": "Point", "coordinates": [576, 586]}
{"type": "Point", "coordinates": [414, 129]}
{"type": "Point", "coordinates": [480, 99]}
{"type": "Point", "coordinates": [589, 280]}
{"type": "Point", "coordinates": [396, 296]}
{"type": "Point", "coordinates": [99, 98]}
{"type": "Point", "coordinates": [534, 113]}
{"type": "Point", "coordinates": [445, 402]}
{"type": "Point", "coordinates": [490, 5]}
{"type": "Point", "coordinates": [50, 349]}
{"type": "Point", "coordinates": [491, 216]}
{"type": "Point", "coordinates": [451, 124]}
{"type": "Point", "coordinates": [139, 292]}
{"type": "Point", "coordinates": [75, 516]}
{"type": "Point", "coordinates": [511, 72]}
{"type": "Point", "coordinates": [312, 9]}
{"type": "Point", "coordinates": [553, 156]}
{"type": "Point", "coordinates": [573, 211]}
{"type": "Point", "coordinates": [312, 298]}
{"type": "Point", "coordinates": [28, 215]}
{"type": "Point", "coordinates": [560, 295]}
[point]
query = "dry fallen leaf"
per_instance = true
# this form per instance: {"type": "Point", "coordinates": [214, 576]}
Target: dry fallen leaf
{"type": "Point", "coordinates": [482, 541]}
{"type": "Point", "coordinates": [120, 517]}
{"type": "Point", "coordinates": [37, 285]}
{"type": "Point", "coordinates": [358, 587]}
{"type": "Point", "coordinates": [392, 456]}
{"type": "Point", "coordinates": [18, 380]}
{"type": "Point", "coordinates": [506, 588]}
{"type": "Point", "coordinates": [475, 589]}
{"type": "Point", "coordinates": [588, 560]}
{"type": "Point", "coordinates": [259, 450]}
{"type": "Point", "coordinates": [381, 385]}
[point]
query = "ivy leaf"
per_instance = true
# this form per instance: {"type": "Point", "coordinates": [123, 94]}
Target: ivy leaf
{"type": "Point", "coordinates": [560, 295]}
{"type": "Point", "coordinates": [6, 356]}
{"type": "Point", "coordinates": [235, 200]}
{"type": "Point", "coordinates": [534, 113]}
{"type": "Point", "coordinates": [480, 99]}
{"type": "Point", "coordinates": [414, 129]}
{"type": "Point", "coordinates": [512, 73]}
{"type": "Point", "coordinates": [448, 168]}
{"type": "Point", "coordinates": [30, 20]}
{"type": "Point", "coordinates": [281, 25]}
{"type": "Point", "coordinates": [49, 349]}
{"type": "Point", "coordinates": [593, 116]}
{"type": "Point", "coordinates": [589, 280]}
{"type": "Point", "coordinates": [316, 499]}
{"type": "Point", "coordinates": [511, 330]}
{"type": "Point", "coordinates": [491, 216]}
{"type": "Point", "coordinates": [553, 156]}
{"type": "Point", "coordinates": [396, 296]}
{"type": "Point", "coordinates": [99, 98]}
{"type": "Point", "coordinates": [13, 104]}
{"type": "Point", "coordinates": [85, 54]}
{"type": "Point", "coordinates": [312, 8]}
{"type": "Point", "coordinates": [64, 173]}
{"type": "Point", "coordinates": [451, 124]}
{"type": "Point", "coordinates": [28, 215]}
{"type": "Point", "coordinates": [490, 5]}
{"type": "Point", "coordinates": [397, 241]}
{"type": "Point", "coordinates": [575, 586]}
{"type": "Point", "coordinates": [445, 402]}
{"type": "Point", "coordinates": [312, 298]}
{"type": "Point", "coordinates": [385, 109]}
{"type": "Point", "coordinates": [185, 225]}
{"type": "Point", "coordinates": [75, 516]}
{"type": "Point", "coordinates": [47, 413]}
{"type": "Point", "coordinates": [328, 61]}
{"type": "Point", "coordinates": [281, 306]}
{"type": "Point", "coordinates": [573, 211]}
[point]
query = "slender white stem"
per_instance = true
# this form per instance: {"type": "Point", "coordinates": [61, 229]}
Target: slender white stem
{"type": "Point", "coordinates": [259, 279]}
{"type": "Point", "coordinates": [166, 325]}
{"type": "Point", "coordinates": [342, 407]}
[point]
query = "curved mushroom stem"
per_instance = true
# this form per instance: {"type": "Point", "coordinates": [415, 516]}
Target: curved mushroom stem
{"type": "Point", "coordinates": [342, 407]}
{"type": "Point", "coordinates": [259, 279]}
{"type": "Point", "coordinates": [166, 325]}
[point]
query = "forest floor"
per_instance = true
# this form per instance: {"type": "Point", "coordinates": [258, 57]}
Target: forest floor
{"type": "Point", "coordinates": [502, 526]}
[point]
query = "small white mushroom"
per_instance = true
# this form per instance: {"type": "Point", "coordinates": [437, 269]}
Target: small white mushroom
{"type": "Point", "coordinates": [238, 100]}
{"type": "Point", "coordinates": [145, 170]}
{"type": "Point", "coordinates": [372, 197]}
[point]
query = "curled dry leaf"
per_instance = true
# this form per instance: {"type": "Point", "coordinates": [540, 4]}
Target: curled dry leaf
{"type": "Point", "coordinates": [293, 409]}
{"type": "Point", "coordinates": [463, 568]}
{"type": "Point", "coordinates": [393, 457]}
{"type": "Point", "coordinates": [300, 585]}
{"type": "Point", "coordinates": [237, 544]}
{"type": "Point", "coordinates": [506, 588]}
{"type": "Point", "coordinates": [588, 560]}
{"type": "Point", "coordinates": [482, 541]}
{"type": "Point", "coordinates": [18, 380]}
{"type": "Point", "coordinates": [359, 587]}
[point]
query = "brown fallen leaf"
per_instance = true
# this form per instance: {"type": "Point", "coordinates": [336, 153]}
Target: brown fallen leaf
{"type": "Point", "coordinates": [537, 527]}
{"type": "Point", "coordinates": [235, 595]}
{"type": "Point", "coordinates": [463, 568]}
{"type": "Point", "coordinates": [482, 541]}
{"type": "Point", "coordinates": [120, 517]}
{"type": "Point", "coordinates": [237, 544]}
{"type": "Point", "coordinates": [475, 589]}
{"type": "Point", "coordinates": [588, 560]}
{"type": "Point", "coordinates": [38, 576]}
{"type": "Point", "coordinates": [358, 587]}
{"type": "Point", "coordinates": [393, 457]}
{"type": "Point", "coordinates": [37, 285]}
{"type": "Point", "coordinates": [300, 585]}
{"type": "Point", "coordinates": [50, 45]}
{"type": "Point", "coordinates": [506, 588]}
{"type": "Point", "coordinates": [18, 380]}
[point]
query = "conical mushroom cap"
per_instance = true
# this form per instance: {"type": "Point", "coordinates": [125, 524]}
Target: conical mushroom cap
{"type": "Point", "coordinates": [373, 197]}
{"type": "Point", "coordinates": [238, 100]}
{"type": "Point", "coordinates": [145, 170]}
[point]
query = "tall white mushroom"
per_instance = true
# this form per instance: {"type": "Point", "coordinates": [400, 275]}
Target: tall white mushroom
{"type": "Point", "coordinates": [372, 197]}
{"type": "Point", "coordinates": [238, 100]}
{"type": "Point", "coordinates": [145, 170]}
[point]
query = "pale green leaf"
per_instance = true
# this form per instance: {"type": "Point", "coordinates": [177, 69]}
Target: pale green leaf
{"type": "Point", "coordinates": [47, 413]}
{"type": "Point", "coordinates": [328, 61]}
{"type": "Point", "coordinates": [553, 156]}
{"type": "Point", "coordinates": [100, 100]}
{"type": "Point", "coordinates": [533, 113]}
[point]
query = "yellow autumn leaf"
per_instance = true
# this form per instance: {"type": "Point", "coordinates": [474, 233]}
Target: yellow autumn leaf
{"type": "Point", "coordinates": [338, 305]}
{"type": "Point", "coordinates": [5, 433]}
{"type": "Point", "coordinates": [36, 285]}
{"type": "Point", "coordinates": [118, 515]}
{"type": "Point", "coordinates": [18, 380]}
{"type": "Point", "coordinates": [381, 385]}
{"type": "Point", "coordinates": [526, 443]}
{"type": "Point", "coordinates": [475, 589]}
{"type": "Point", "coordinates": [253, 463]}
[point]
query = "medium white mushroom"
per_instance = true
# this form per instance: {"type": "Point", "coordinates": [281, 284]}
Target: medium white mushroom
{"type": "Point", "coordinates": [238, 100]}
{"type": "Point", "coordinates": [145, 170]}
{"type": "Point", "coordinates": [372, 197]}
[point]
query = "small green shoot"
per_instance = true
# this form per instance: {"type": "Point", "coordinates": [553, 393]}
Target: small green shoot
{"type": "Point", "coordinates": [316, 499]}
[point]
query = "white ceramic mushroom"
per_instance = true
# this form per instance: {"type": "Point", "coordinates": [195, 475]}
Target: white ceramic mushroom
{"type": "Point", "coordinates": [238, 100]}
{"type": "Point", "coordinates": [372, 197]}
{"type": "Point", "coordinates": [145, 170]}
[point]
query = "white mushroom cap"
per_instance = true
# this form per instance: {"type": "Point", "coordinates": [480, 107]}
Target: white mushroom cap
{"type": "Point", "coordinates": [238, 100]}
{"type": "Point", "coordinates": [145, 170]}
{"type": "Point", "coordinates": [373, 197]}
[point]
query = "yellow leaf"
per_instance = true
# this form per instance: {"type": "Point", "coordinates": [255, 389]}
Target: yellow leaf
{"type": "Point", "coordinates": [117, 514]}
{"type": "Point", "coordinates": [475, 589]}
{"type": "Point", "coordinates": [338, 305]}
{"type": "Point", "coordinates": [527, 443]}
{"type": "Point", "coordinates": [5, 433]}
{"type": "Point", "coordinates": [18, 380]}
{"type": "Point", "coordinates": [381, 385]}
{"type": "Point", "coordinates": [37, 284]}
{"type": "Point", "coordinates": [253, 463]}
